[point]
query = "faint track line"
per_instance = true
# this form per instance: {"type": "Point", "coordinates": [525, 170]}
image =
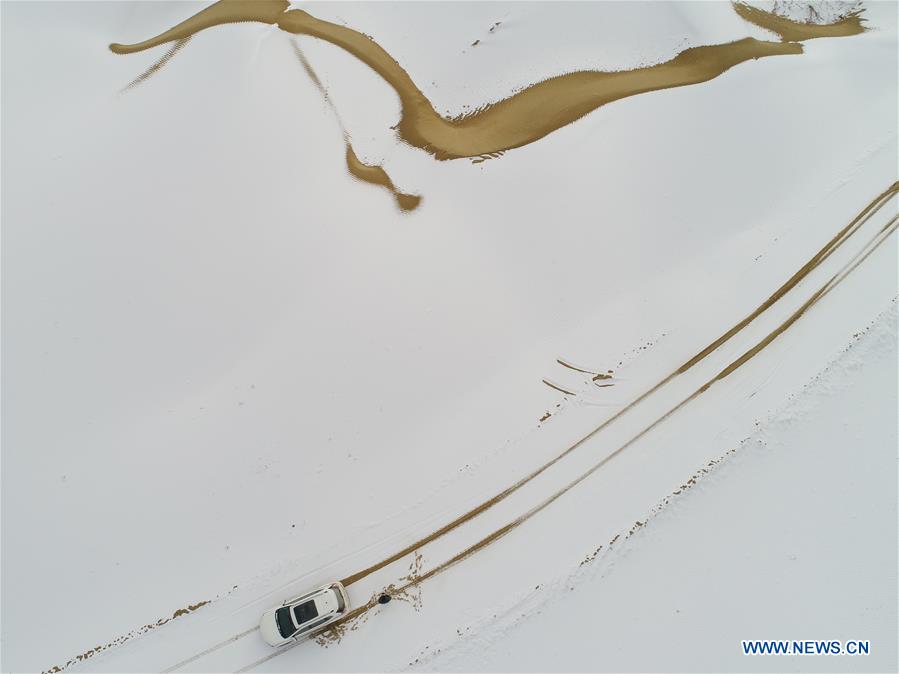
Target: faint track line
{"type": "Point", "coordinates": [211, 649]}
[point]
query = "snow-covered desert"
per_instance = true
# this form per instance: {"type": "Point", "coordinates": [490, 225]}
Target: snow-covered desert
{"type": "Point", "coordinates": [562, 334]}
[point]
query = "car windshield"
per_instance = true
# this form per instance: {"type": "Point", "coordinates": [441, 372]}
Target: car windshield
{"type": "Point", "coordinates": [305, 612]}
{"type": "Point", "coordinates": [285, 624]}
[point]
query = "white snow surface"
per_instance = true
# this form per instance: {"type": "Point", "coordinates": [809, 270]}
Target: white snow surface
{"type": "Point", "coordinates": [787, 534]}
{"type": "Point", "coordinates": [232, 373]}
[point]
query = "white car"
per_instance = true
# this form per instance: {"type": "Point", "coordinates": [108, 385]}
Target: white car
{"type": "Point", "coordinates": [299, 618]}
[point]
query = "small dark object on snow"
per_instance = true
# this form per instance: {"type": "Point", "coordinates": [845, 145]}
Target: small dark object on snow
{"type": "Point", "coordinates": [384, 599]}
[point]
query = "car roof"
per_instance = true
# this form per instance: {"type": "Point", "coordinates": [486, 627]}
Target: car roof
{"type": "Point", "coordinates": [326, 601]}
{"type": "Point", "coordinates": [325, 597]}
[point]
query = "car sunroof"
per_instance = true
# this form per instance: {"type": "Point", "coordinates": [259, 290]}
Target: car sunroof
{"type": "Point", "coordinates": [305, 611]}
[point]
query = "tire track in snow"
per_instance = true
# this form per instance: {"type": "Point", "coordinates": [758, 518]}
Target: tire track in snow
{"type": "Point", "coordinates": [336, 631]}
{"type": "Point", "coordinates": [816, 260]}
{"type": "Point", "coordinates": [813, 263]}
{"type": "Point", "coordinates": [211, 649]}
{"type": "Point", "coordinates": [715, 464]}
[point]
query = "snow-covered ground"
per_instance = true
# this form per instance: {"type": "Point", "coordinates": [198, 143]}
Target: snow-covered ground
{"type": "Point", "coordinates": [783, 537]}
{"type": "Point", "coordinates": [231, 372]}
